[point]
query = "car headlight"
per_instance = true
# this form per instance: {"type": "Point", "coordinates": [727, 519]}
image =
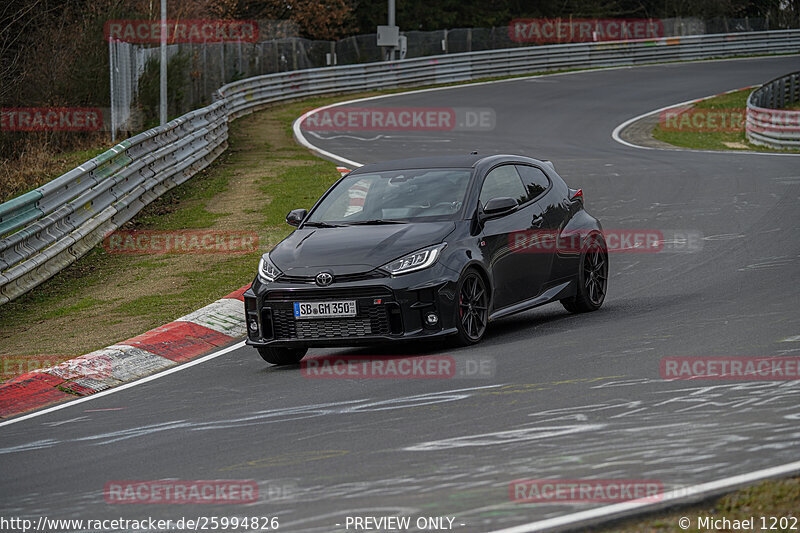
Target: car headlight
{"type": "Point", "coordinates": [267, 271]}
{"type": "Point", "coordinates": [414, 261]}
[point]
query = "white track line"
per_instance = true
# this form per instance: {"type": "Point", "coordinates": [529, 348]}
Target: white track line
{"type": "Point", "coordinates": [303, 141]}
{"type": "Point", "coordinates": [601, 512]}
{"type": "Point", "coordinates": [689, 494]}
{"type": "Point", "coordinates": [618, 130]}
{"type": "Point", "coordinates": [300, 138]}
{"type": "Point", "coordinates": [124, 386]}
{"type": "Point", "coordinates": [694, 492]}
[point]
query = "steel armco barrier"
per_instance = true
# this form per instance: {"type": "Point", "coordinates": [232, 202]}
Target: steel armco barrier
{"type": "Point", "coordinates": [768, 124]}
{"type": "Point", "coordinates": [50, 227]}
{"type": "Point", "coordinates": [250, 94]}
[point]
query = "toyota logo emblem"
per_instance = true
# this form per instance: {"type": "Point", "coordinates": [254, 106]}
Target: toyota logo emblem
{"type": "Point", "coordinates": [324, 279]}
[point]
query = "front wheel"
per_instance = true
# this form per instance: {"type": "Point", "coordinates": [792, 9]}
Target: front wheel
{"type": "Point", "coordinates": [472, 311]}
{"type": "Point", "coordinates": [282, 356]}
{"type": "Point", "coordinates": [592, 278]}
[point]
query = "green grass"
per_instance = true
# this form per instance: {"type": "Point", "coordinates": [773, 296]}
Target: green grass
{"type": "Point", "coordinates": [84, 303]}
{"type": "Point", "coordinates": [38, 165]}
{"type": "Point", "coordinates": [197, 288]}
{"type": "Point", "coordinates": [768, 498]}
{"type": "Point", "coordinates": [71, 291]}
{"type": "Point", "coordinates": [715, 140]}
{"type": "Point", "coordinates": [84, 155]}
{"type": "Point", "coordinates": [295, 188]}
{"type": "Point", "coordinates": [734, 100]}
{"type": "Point", "coordinates": [185, 206]}
{"type": "Point", "coordinates": [294, 185]}
{"type": "Point", "coordinates": [75, 291]}
{"type": "Point", "coordinates": [49, 298]}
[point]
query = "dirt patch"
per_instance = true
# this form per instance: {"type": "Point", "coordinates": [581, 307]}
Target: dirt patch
{"type": "Point", "coordinates": [736, 145]}
{"type": "Point", "coordinates": [105, 297]}
{"type": "Point", "coordinates": [640, 133]}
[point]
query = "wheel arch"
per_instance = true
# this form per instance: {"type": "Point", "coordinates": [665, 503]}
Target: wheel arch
{"type": "Point", "coordinates": [484, 274]}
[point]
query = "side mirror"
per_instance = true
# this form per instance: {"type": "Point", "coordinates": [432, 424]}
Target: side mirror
{"type": "Point", "coordinates": [499, 206]}
{"type": "Point", "coordinates": [296, 216]}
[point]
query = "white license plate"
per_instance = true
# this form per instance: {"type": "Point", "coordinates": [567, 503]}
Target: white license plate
{"type": "Point", "coordinates": [303, 310]}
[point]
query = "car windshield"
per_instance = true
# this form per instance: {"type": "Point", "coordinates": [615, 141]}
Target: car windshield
{"type": "Point", "coordinates": [395, 196]}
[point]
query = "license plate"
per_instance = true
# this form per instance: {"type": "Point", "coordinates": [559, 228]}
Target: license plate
{"type": "Point", "coordinates": [304, 310]}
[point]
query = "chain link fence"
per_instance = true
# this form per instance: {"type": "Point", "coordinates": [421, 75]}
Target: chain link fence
{"type": "Point", "coordinates": [50, 227]}
{"type": "Point", "coordinates": [197, 69]}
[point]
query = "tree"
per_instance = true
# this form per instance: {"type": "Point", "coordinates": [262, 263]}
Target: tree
{"type": "Point", "coordinates": [316, 19]}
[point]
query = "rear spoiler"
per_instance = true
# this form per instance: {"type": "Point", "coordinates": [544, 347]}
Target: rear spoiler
{"type": "Point", "coordinates": [548, 163]}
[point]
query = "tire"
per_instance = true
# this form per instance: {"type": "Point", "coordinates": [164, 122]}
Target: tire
{"type": "Point", "coordinates": [592, 278]}
{"type": "Point", "coordinates": [282, 356]}
{"type": "Point", "coordinates": [472, 308]}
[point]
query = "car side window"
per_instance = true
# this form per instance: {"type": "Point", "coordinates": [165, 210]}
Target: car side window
{"type": "Point", "coordinates": [534, 179]}
{"type": "Point", "coordinates": [501, 182]}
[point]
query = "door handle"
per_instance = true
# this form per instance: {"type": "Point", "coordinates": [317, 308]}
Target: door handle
{"type": "Point", "coordinates": [537, 221]}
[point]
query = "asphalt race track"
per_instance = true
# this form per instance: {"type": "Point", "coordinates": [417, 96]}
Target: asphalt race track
{"type": "Point", "coordinates": [567, 397]}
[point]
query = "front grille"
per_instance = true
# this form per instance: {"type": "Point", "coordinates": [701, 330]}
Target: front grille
{"type": "Point", "coordinates": [374, 320]}
{"type": "Point", "coordinates": [350, 327]}
{"type": "Point", "coordinates": [339, 278]}
{"type": "Point", "coordinates": [305, 295]}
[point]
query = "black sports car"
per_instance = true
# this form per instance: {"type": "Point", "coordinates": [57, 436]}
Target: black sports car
{"type": "Point", "coordinates": [425, 248]}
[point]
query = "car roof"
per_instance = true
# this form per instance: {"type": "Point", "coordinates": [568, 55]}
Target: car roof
{"type": "Point", "coordinates": [445, 161]}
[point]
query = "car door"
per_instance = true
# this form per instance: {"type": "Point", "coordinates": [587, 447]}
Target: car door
{"type": "Point", "coordinates": [545, 224]}
{"type": "Point", "coordinates": [514, 274]}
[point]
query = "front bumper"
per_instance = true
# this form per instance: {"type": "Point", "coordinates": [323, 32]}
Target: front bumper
{"type": "Point", "coordinates": [388, 309]}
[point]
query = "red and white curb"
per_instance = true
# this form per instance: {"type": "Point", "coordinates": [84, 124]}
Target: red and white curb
{"type": "Point", "coordinates": [188, 337]}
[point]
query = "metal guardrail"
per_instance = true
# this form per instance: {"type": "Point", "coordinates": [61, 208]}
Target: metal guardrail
{"type": "Point", "coordinates": [768, 123]}
{"type": "Point", "coordinates": [50, 227]}
{"type": "Point", "coordinates": [250, 94]}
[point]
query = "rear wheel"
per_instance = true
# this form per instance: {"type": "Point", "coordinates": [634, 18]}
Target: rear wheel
{"type": "Point", "coordinates": [472, 312]}
{"type": "Point", "coordinates": [592, 278]}
{"type": "Point", "coordinates": [282, 356]}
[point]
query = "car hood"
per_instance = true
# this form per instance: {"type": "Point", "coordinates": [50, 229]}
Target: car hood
{"type": "Point", "coordinates": [353, 249]}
